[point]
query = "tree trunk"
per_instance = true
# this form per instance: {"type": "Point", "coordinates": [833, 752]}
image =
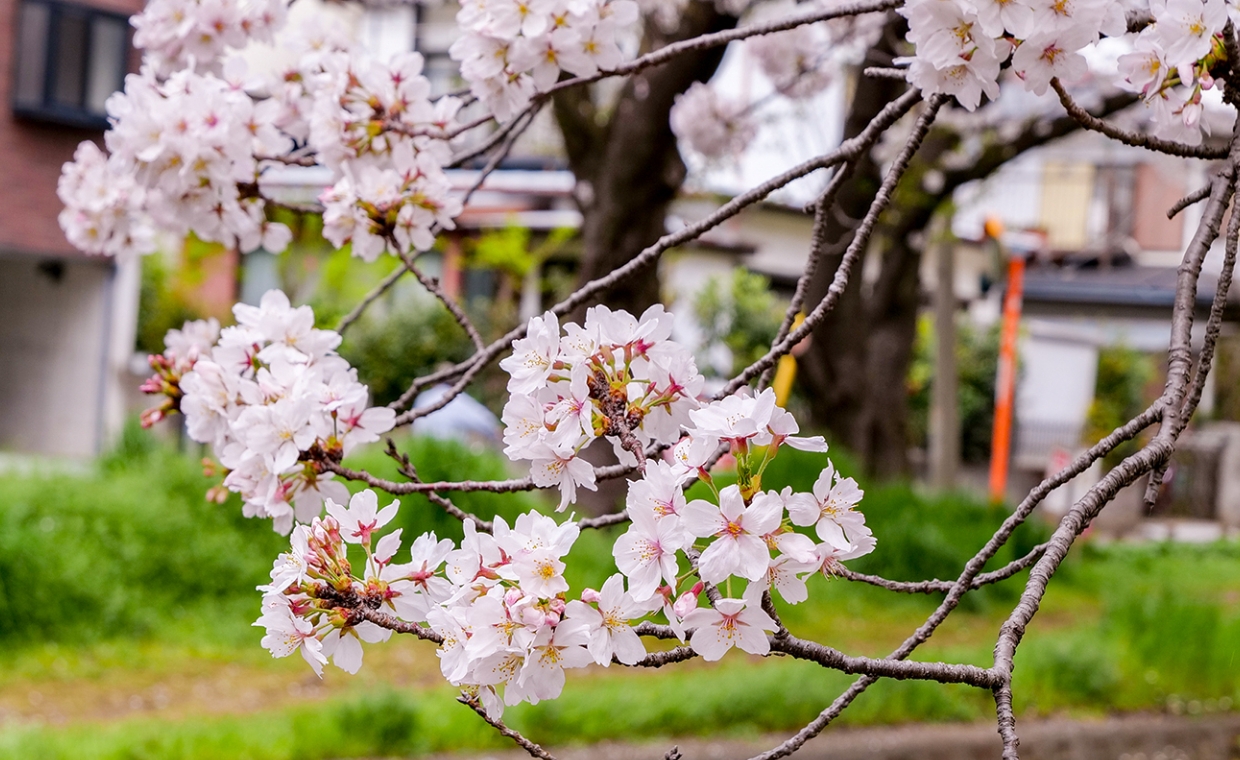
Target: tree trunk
{"type": "Point", "coordinates": [859, 357]}
{"type": "Point", "coordinates": [855, 367]}
{"type": "Point", "coordinates": [629, 169]}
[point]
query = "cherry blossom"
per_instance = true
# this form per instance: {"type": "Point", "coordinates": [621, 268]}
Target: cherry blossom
{"type": "Point", "coordinates": [832, 510]}
{"type": "Point", "coordinates": [646, 552]}
{"type": "Point", "coordinates": [362, 517]}
{"type": "Point", "coordinates": [608, 625]}
{"type": "Point", "coordinates": [271, 396]}
{"type": "Point", "coordinates": [730, 623]}
{"type": "Point", "coordinates": [739, 548]}
{"type": "Point", "coordinates": [617, 376]}
{"type": "Point", "coordinates": [711, 125]}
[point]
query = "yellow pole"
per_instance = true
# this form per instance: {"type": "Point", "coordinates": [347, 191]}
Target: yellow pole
{"type": "Point", "coordinates": [786, 371]}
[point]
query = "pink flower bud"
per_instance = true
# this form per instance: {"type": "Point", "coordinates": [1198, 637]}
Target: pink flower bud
{"type": "Point", "coordinates": [687, 601]}
{"type": "Point", "coordinates": [590, 596]}
{"type": "Point", "coordinates": [532, 616]}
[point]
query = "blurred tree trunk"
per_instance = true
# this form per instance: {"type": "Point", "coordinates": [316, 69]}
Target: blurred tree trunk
{"type": "Point", "coordinates": [629, 170]}
{"type": "Point", "coordinates": [859, 357]}
{"type": "Point", "coordinates": [626, 160]}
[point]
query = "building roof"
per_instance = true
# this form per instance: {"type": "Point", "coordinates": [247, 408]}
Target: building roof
{"type": "Point", "coordinates": [1120, 286]}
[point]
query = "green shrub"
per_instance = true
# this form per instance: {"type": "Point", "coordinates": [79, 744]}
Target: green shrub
{"type": "Point", "coordinates": [133, 546]}
{"type": "Point", "coordinates": [115, 552]}
{"type": "Point", "coordinates": [412, 341]}
{"type": "Point", "coordinates": [742, 315]}
{"type": "Point", "coordinates": [977, 361]}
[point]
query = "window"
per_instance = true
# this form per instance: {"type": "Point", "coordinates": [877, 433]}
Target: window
{"type": "Point", "coordinates": [70, 58]}
{"type": "Point", "coordinates": [434, 33]}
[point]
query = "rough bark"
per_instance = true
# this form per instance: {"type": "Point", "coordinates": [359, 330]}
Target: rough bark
{"type": "Point", "coordinates": [854, 371]}
{"type": "Point", "coordinates": [626, 161]}
{"type": "Point", "coordinates": [861, 341]}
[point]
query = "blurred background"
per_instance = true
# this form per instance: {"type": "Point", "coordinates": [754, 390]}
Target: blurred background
{"type": "Point", "coordinates": [126, 596]}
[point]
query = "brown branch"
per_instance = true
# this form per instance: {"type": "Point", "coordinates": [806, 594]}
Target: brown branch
{"type": "Point", "coordinates": [860, 240]}
{"type": "Point", "coordinates": [668, 52]}
{"type": "Point", "coordinates": [971, 571]}
{"type": "Point", "coordinates": [432, 286]}
{"type": "Point", "coordinates": [470, 367]}
{"type": "Point", "coordinates": [1150, 458]}
{"type": "Point", "coordinates": [1136, 140]}
{"type": "Point", "coordinates": [1196, 196]}
{"type": "Point", "coordinates": [393, 623]}
{"type": "Point", "coordinates": [525, 744]}
{"type": "Point", "coordinates": [899, 669]}
{"type": "Point", "coordinates": [943, 587]}
{"type": "Point", "coordinates": [668, 657]}
{"type": "Point", "coordinates": [378, 290]}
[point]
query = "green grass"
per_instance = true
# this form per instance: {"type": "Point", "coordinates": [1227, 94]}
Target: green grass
{"type": "Point", "coordinates": [125, 576]}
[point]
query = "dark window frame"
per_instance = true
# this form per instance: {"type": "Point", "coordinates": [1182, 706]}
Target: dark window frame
{"type": "Point", "coordinates": [47, 109]}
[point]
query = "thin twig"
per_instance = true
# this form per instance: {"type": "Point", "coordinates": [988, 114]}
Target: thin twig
{"type": "Point", "coordinates": [432, 286]}
{"type": "Point", "coordinates": [861, 238]}
{"type": "Point", "coordinates": [378, 290]}
{"type": "Point", "coordinates": [817, 248]}
{"type": "Point", "coordinates": [1093, 123]}
{"type": "Point", "coordinates": [880, 72]}
{"type": "Point", "coordinates": [943, 587]}
{"type": "Point", "coordinates": [1195, 196]}
{"type": "Point", "coordinates": [525, 744]}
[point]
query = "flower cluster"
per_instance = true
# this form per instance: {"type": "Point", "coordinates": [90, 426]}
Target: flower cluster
{"type": "Point", "coordinates": [274, 400]}
{"type": "Point", "coordinates": [187, 153]}
{"type": "Point", "coordinates": [182, 349]}
{"type": "Point", "coordinates": [961, 44]}
{"type": "Point", "coordinates": [711, 125]}
{"type": "Point", "coordinates": [511, 49]}
{"type": "Point", "coordinates": [375, 125]}
{"type": "Point", "coordinates": [182, 152]}
{"type": "Point", "coordinates": [178, 34]}
{"type": "Point", "coordinates": [102, 213]}
{"type": "Point", "coordinates": [745, 524]}
{"type": "Point", "coordinates": [617, 376]}
{"type": "Point", "coordinates": [498, 603]}
{"type": "Point", "coordinates": [1171, 61]}
{"type": "Point", "coordinates": [795, 61]}
{"type": "Point", "coordinates": [310, 604]}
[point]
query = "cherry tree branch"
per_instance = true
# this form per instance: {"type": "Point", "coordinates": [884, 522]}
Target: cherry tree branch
{"type": "Point", "coordinates": [432, 286]}
{"type": "Point", "coordinates": [860, 240]}
{"type": "Point", "coordinates": [1196, 196]}
{"type": "Point", "coordinates": [943, 587]}
{"type": "Point", "coordinates": [1136, 140]}
{"type": "Point", "coordinates": [899, 669]}
{"type": "Point", "coordinates": [1153, 456]}
{"type": "Point", "coordinates": [395, 624]}
{"type": "Point", "coordinates": [525, 744]}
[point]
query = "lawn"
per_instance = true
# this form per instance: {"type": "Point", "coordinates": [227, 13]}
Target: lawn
{"type": "Point", "coordinates": [125, 603]}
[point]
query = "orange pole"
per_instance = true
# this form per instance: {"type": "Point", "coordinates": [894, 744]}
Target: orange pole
{"type": "Point", "coordinates": [1005, 382]}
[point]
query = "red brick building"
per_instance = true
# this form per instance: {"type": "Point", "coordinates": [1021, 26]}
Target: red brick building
{"type": "Point", "coordinates": [66, 320]}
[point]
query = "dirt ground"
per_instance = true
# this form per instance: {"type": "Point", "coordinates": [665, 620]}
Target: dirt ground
{"type": "Point", "coordinates": [1130, 737]}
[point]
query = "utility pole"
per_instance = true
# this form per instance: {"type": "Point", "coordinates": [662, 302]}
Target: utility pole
{"type": "Point", "coordinates": [944, 412]}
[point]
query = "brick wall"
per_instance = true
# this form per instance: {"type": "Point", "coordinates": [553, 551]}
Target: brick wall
{"type": "Point", "coordinates": [31, 154]}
